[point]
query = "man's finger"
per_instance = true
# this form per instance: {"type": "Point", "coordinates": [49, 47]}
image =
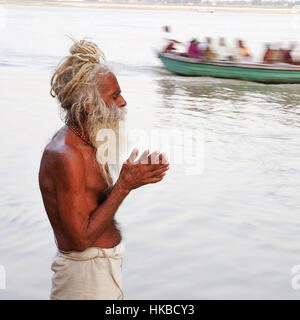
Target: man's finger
{"type": "Point", "coordinates": [156, 173]}
{"type": "Point", "coordinates": [153, 167]}
{"type": "Point", "coordinates": [153, 158]}
{"type": "Point", "coordinates": [144, 157]}
{"type": "Point", "coordinates": [154, 180]}
{"type": "Point", "coordinates": [163, 159]}
{"type": "Point", "coordinates": [133, 155]}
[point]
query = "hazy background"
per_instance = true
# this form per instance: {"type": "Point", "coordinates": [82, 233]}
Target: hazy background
{"type": "Point", "coordinates": [231, 232]}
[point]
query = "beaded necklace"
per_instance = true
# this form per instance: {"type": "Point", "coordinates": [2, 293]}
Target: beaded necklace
{"type": "Point", "coordinates": [79, 134]}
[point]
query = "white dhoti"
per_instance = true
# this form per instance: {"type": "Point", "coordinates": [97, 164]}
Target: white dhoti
{"type": "Point", "coordinates": [92, 274]}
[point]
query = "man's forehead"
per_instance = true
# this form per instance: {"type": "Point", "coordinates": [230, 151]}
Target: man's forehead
{"type": "Point", "coordinates": [109, 82]}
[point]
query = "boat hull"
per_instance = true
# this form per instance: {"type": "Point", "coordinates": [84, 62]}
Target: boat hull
{"type": "Point", "coordinates": [248, 72]}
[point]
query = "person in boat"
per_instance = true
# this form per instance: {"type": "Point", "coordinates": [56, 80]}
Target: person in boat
{"type": "Point", "coordinates": [287, 55]}
{"type": "Point", "coordinates": [203, 47]}
{"type": "Point", "coordinates": [268, 55]}
{"type": "Point", "coordinates": [277, 53]}
{"type": "Point", "coordinates": [242, 53]}
{"type": "Point", "coordinates": [79, 195]}
{"type": "Point", "coordinates": [193, 50]}
{"type": "Point", "coordinates": [170, 46]}
{"type": "Point", "coordinates": [210, 51]}
{"type": "Point", "coordinates": [222, 52]}
{"type": "Point", "coordinates": [281, 53]}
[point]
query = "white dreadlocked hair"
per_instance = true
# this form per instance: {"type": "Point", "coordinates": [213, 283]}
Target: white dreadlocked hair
{"type": "Point", "coordinates": [76, 82]}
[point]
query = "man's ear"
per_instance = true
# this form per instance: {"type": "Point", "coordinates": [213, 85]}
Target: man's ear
{"type": "Point", "coordinates": [87, 108]}
{"type": "Point", "coordinates": [86, 105]}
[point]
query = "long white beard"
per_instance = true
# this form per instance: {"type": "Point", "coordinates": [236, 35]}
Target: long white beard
{"type": "Point", "coordinates": [106, 135]}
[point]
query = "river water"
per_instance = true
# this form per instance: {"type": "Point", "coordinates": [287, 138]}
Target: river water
{"type": "Point", "coordinates": [230, 231]}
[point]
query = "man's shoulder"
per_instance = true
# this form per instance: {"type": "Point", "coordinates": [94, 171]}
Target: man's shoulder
{"type": "Point", "coordinates": [65, 155]}
{"type": "Point", "coordinates": [60, 154]}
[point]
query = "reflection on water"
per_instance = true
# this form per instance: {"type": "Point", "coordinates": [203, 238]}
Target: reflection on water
{"type": "Point", "coordinates": [285, 95]}
{"type": "Point", "coordinates": [209, 96]}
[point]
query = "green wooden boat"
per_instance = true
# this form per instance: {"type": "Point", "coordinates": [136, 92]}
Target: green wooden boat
{"type": "Point", "coordinates": [256, 72]}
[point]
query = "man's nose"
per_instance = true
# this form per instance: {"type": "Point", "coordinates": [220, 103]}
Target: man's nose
{"type": "Point", "coordinates": [123, 102]}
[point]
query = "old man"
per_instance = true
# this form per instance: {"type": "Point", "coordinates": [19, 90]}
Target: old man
{"type": "Point", "coordinates": [78, 192]}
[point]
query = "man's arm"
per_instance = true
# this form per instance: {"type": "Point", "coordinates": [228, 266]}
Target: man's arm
{"type": "Point", "coordinates": [70, 190]}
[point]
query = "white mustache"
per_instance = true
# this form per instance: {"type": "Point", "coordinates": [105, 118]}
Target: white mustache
{"type": "Point", "coordinates": [117, 113]}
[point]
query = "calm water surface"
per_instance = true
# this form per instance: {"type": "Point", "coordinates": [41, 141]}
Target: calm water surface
{"type": "Point", "coordinates": [232, 231]}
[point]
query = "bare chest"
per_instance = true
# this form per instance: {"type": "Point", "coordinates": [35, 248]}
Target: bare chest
{"type": "Point", "coordinates": [94, 180]}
